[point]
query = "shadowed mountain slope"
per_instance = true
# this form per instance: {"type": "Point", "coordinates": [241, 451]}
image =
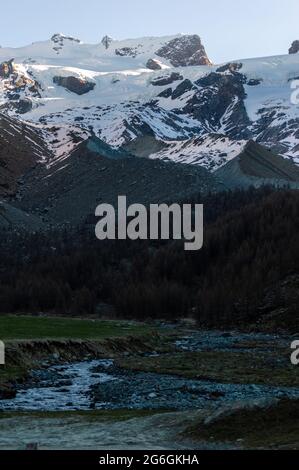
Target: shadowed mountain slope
{"type": "Point", "coordinates": [21, 147]}
{"type": "Point", "coordinates": [88, 178]}
{"type": "Point", "coordinates": [257, 165]}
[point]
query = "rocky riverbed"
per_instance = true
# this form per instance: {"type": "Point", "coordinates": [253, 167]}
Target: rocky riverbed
{"type": "Point", "coordinates": [103, 384]}
{"type": "Point", "coordinates": [99, 384]}
{"type": "Point", "coordinates": [167, 382]}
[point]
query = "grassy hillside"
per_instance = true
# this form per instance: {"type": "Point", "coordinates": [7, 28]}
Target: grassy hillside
{"type": "Point", "coordinates": [27, 327]}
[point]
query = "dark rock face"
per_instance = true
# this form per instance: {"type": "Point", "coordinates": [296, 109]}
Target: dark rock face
{"type": "Point", "coordinates": [254, 82]}
{"type": "Point", "coordinates": [127, 52]}
{"type": "Point", "coordinates": [34, 89]}
{"type": "Point", "coordinates": [59, 40]}
{"type": "Point", "coordinates": [6, 69]}
{"type": "Point", "coordinates": [22, 106]}
{"type": "Point", "coordinates": [17, 88]}
{"type": "Point", "coordinates": [74, 84]}
{"type": "Point", "coordinates": [20, 148]}
{"type": "Point", "coordinates": [106, 41]}
{"type": "Point", "coordinates": [217, 93]}
{"type": "Point", "coordinates": [165, 93]}
{"type": "Point", "coordinates": [153, 64]}
{"type": "Point", "coordinates": [167, 79]}
{"type": "Point", "coordinates": [183, 87]}
{"type": "Point", "coordinates": [230, 67]}
{"type": "Point", "coordinates": [184, 51]}
{"type": "Point", "coordinates": [294, 49]}
{"type": "Point", "coordinates": [13, 96]}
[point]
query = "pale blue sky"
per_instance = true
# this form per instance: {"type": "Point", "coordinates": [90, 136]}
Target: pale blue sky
{"type": "Point", "coordinates": [230, 29]}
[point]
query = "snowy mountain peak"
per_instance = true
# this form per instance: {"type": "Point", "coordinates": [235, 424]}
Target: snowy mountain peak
{"type": "Point", "coordinates": [185, 50]}
{"type": "Point", "coordinates": [173, 51]}
{"type": "Point", "coordinates": [160, 90]}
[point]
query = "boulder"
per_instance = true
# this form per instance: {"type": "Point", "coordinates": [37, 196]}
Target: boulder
{"type": "Point", "coordinates": [153, 64]}
{"type": "Point", "coordinates": [74, 84]}
{"type": "Point", "coordinates": [184, 51]}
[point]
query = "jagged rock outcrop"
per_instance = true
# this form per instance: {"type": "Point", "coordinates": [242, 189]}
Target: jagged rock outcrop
{"type": "Point", "coordinates": [165, 93]}
{"type": "Point", "coordinates": [294, 49]}
{"type": "Point", "coordinates": [21, 147]}
{"type": "Point", "coordinates": [127, 52]}
{"type": "Point", "coordinates": [21, 106]}
{"type": "Point", "coordinates": [18, 88]}
{"type": "Point", "coordinates": [59, 41]}
{"type": "Point", "coordinates": [106, 41]}
{"type": "Point", "coordinates": [74, 84]}
{"type": "Point", "coordinates": [6, 68]}
{"type": "Point", "coordinates": [217, 93]}
{"type": "Point", "coordinates": [167, 79]}
{"type": "Point", "coordinates": [230, 67]}
{"type": "Point", "coordinates": [183, 87]}
{"type": "Point", "coordinates": [184, 51]}
{"type": "Point", "coordinates": [153, 64]}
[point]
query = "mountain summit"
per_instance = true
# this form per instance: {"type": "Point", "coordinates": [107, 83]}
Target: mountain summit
{"type": "Point", "coordinates": [155, 97]}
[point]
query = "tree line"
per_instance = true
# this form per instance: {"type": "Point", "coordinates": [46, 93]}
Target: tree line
{"type": "Point", "coordinates": [251, 242]}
